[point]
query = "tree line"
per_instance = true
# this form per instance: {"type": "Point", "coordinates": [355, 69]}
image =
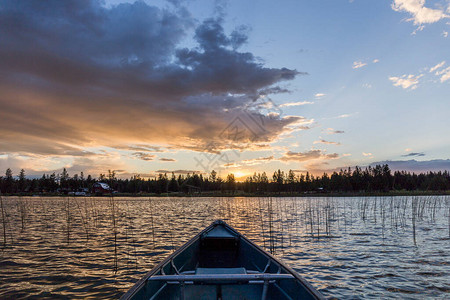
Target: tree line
{"type": "Point", "coordinates": [370, 179]}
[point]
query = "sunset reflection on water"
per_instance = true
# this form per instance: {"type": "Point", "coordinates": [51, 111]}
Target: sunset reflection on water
{"type": "Point", "coordinates": [346, 247]}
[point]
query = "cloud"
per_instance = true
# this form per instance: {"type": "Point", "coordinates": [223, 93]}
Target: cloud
{"type": "Point", "coordinates": [367, 154]}
{"type": "Point", "coordinates": [252, 162]}
{"type": "Point", "coordinates": [167, 159]}
{"type": "Point", "coordinates": [395, 165]}
{"type": "Point", "coordinates": [343, 116]}
{"type": "Point", "coordinates": [182, 172]}
{"type": "Point", "coordinates": [144, 156]}
{"type": "Point", "coordinates": [420, 13]}
{"type": "Point", "coordinates": [412, 81]}
{"type": "Point", "coordinates": [445, 33]}
{"type": "Point", "coordinates": [306, 156]}
{"type": "Point", "coordinates": [92, 164]}
{"type": "Point", "coordinates": [419, 28]}
{"type": "Point", "coordinates": [358, 64]}
{"type": "Point", "coordinates": [139, 148]}
{"type": "Point", "coordinates": [438, 66]}
{"type": "Point", "coordinates": [299, 171]}
{"type": "Point", "coordinates": [406, 81]}
{"type": "Point", "coordinates": [417, 166]}
{"type": "Point", "coordinates": [414, 154]}
{"type": "Point", "coordinates": [296, 103]}
{"type": "Point", "coordinates": [333, 131]}
{"type": "Point", "coordinates": [297, 124]}
{"type": "Point", "coordinates": [319, 95]}
{"type": "Point", "coordinates": [322, 141]}
{"type": "Point", "coordinates": [123, 79]}
{"type": "Point", "coordinates": [258, 160]}
{"type": "Point", "coordinates": [319, 156]}
{"type": "Point", "coordinates": [445, 74]}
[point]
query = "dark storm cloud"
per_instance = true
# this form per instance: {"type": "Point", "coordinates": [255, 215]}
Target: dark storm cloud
{"type": "Point", "coordinates": [217, 68]}
{"type": "Point", "coordinates": [77, 73]}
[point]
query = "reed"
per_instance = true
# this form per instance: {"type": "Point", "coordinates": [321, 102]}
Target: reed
{"type": "Point", "coordinates": [280, 223]}
{"type": "Point", "coordinates": [318, 219]}
{"type": "Point", "coordinates": [114, 229]}
{"type": "Point", "coordinates": [271, 233]}
{"type": "Point", "coordinates": [94, 208]}
{"type": "Point", "coordinates": [434, 203]}
{"type": "Point", "coordinates": [68, 219]}
{"type": "Point", "coordinates": [383, 217]}
{"type": "Point", "coordinates": [170, 227]}
{"type": "Point", "coordinates": [87, 213]}
{"type": "Point", "coordinates": [84, 218]}
{"type": "Point", "coordinates": [22, 208]}
{"type": "Point", "coordinates": [310, 212]}
{"type": "Point", "coordinates": [375, 210]}
{"type": "Point", "coordinates": [262, 221]}
{"type": "Point", "coordinates": [3, 219]}
{"type": "Point", "coordinates": [152, 222]}
{"type": "Point", "coordinates": [327, 211]}
{"type": "Point", "coordinates": [414, 205]}
{"type": "Point", "coordinates": [447, 202]}
{"type": "Point", "coordinates": [129, 236]}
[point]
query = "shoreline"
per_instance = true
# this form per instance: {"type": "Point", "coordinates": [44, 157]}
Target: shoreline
{"type": "Point", "coordinates": [243, 194]}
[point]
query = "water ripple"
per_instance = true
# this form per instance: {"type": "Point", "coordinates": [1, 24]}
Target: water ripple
{"type": "Point", "coordinates": [353, 248]}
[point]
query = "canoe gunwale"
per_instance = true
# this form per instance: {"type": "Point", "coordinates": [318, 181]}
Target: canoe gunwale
{"type": "Point", "coordinates": [221, 277]}
{"type": "Point", "coordinates": [140, 283]}
{"type": "Point", "coordinates": [305, 283]}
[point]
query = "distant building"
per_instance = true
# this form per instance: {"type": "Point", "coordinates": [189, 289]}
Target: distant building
{"type": "Point", "coordinates": [101, 188]}
{"type": "Point", "coordinates": [80, 192]}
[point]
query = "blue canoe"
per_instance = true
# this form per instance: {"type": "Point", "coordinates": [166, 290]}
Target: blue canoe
{"type": "Point", "coordinates": [220, 263]}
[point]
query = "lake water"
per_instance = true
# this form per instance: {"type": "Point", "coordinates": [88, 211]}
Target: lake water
{"type": "Point", "coordinates": [359, 247]}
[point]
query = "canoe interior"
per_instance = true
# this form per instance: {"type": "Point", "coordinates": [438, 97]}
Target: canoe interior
{"type": "Point", "coordinates": [221, 251]}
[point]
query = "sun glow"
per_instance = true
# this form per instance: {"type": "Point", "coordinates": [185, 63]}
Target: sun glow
{"type": "Point", "coordinates": [240, 174]}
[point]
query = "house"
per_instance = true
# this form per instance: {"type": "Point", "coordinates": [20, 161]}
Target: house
{"type": "Point", "coordinates": [101, 188]}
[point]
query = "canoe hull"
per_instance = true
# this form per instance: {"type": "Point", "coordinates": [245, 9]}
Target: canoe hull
{"type": "Point", "coordinates": [220, 263]}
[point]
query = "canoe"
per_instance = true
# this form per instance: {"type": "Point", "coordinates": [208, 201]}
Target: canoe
{"type": "Point", "coordinates": [220, 263]}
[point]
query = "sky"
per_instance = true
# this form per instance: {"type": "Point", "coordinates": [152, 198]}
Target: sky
{"type": "Point", "coordinates": [144, 87]}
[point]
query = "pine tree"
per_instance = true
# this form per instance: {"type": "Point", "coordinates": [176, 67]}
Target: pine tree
{"type": "Point", "coordinates": [22, 181]}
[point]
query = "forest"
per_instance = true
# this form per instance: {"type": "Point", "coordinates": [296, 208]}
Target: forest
{"type": "Point", "coordinates": [357, 180]}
